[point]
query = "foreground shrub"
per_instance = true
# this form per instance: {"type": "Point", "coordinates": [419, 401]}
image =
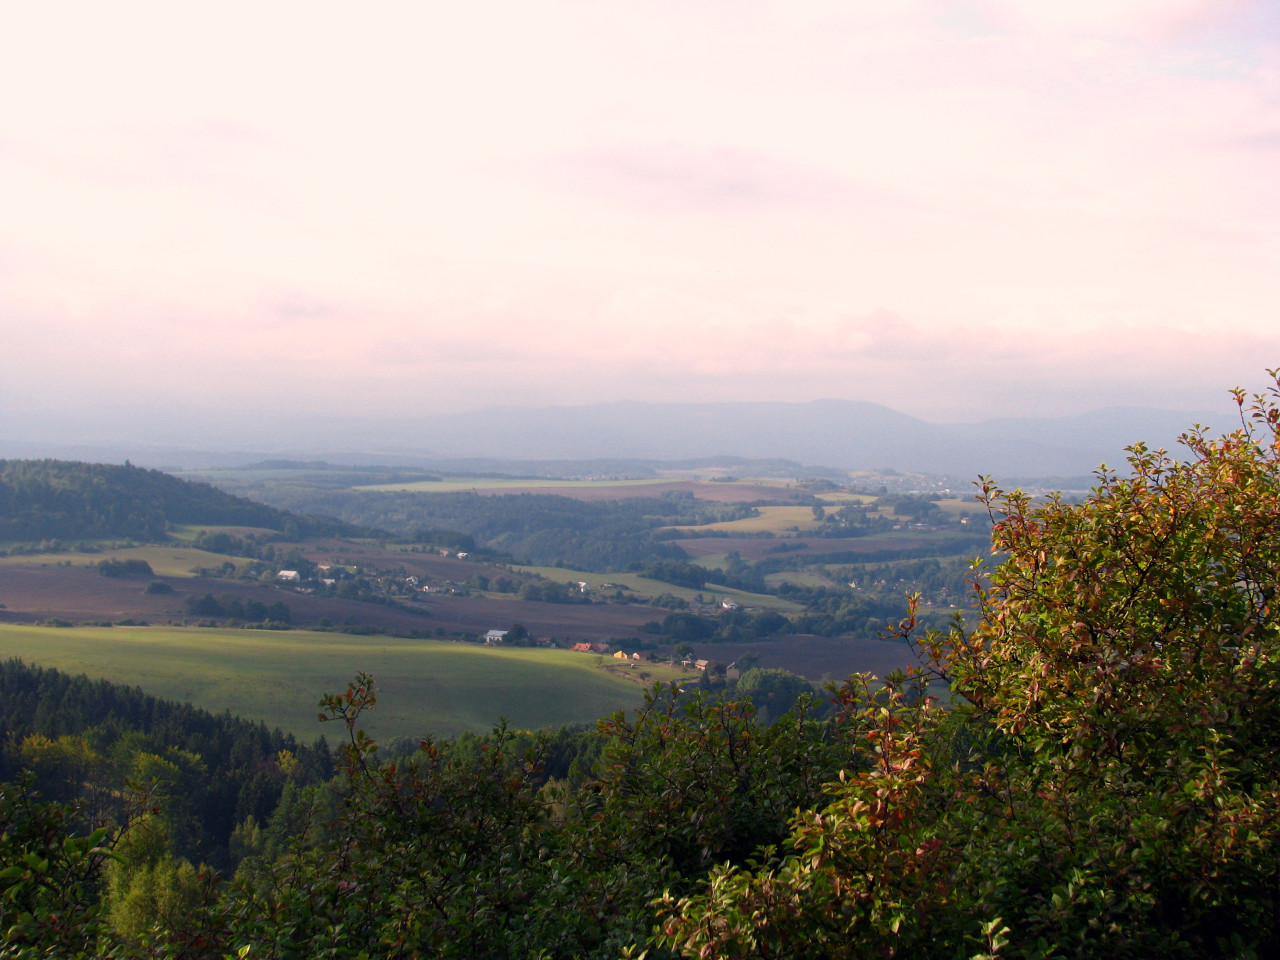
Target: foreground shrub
{"type": "Point", "coordinates": [1108, 780]}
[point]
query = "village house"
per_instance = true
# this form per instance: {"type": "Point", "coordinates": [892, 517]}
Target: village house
{"type": "Point", "coordinates": [495, 636]}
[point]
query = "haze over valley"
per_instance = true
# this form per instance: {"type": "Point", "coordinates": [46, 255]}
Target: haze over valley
{"type": "Point", "coordinates": [831, 434]}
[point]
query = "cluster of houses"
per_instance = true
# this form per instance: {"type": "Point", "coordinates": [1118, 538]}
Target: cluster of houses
{"type": "Point", "coordinates": [603, 649]}
{"type": "Point", "coordinates": [638, 657]}
{"type": "Point", "coordinates": [590, 647]}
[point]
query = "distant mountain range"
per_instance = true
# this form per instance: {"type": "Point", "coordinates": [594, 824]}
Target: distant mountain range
{"type": "Point", "coordinates": [843, 434]}
{"type": "Point", "coordinates": [840, 434]}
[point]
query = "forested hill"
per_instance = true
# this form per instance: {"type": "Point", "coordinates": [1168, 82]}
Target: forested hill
{"type": "Point", "coordinates": [85, 738]}
{"type": "Point", "coordinates": [48, 499]}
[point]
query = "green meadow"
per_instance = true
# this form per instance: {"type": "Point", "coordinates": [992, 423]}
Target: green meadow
{"type": "Point", "coordinates": [166, 561]}
{"type": "Point", "coordinates": [844, 498]}
{"type": "Point", "coordinates": [426, 686]}
{"type": "Point", "coordinates": [803, 579]}
{"type": "Point", "coordinates": [455, 484]}
{"type": "Point", "coordinates": [962, 506]}
{"type": "Point", "coordinates": [648, 587]}
{"type": "Point", "coordinates": [189, 531]}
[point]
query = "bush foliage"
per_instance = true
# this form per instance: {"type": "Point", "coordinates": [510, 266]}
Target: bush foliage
{"type": "Point", "coordinates": [1105, 783]}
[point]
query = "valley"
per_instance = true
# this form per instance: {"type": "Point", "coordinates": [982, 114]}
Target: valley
{"type": "Point", "coordinates": [794, 575]}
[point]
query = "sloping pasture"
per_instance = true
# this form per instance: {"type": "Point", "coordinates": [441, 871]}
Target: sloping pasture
{"type": "Point", "coordinates": [426, 686]}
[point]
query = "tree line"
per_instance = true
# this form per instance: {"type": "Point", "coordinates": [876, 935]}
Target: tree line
{"type": "Point", "coordinates": [83, 739]}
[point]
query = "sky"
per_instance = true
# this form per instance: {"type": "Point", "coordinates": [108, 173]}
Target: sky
{"type": "Point", "coordinates": [962, 210]}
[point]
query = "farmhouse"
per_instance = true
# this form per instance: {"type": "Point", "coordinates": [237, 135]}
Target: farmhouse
{"type": "Point", "coordinates": [591, 647]}
{"type": "Point", "coordinates": [495, 636]}
{"type": "Point", "coordinates": [289, 576]}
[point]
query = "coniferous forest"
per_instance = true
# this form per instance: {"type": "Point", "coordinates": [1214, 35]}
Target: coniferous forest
{"type": "Point", "coordinates": [1089, 766]}
{"type": "Point", "coordinates": [42, 500]}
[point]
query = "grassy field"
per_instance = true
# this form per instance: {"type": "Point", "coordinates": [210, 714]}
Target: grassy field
{"type": "Point", "coordinates": [427, 687]}
{"type": "Point", "coordinates": [646, 587]}
{"type": "Point", "coordinates": [188, 532]}
{"type": "Point", "coordinates": [714, 549]}
{"type": "Point", "coordinates": [165, 561]}
{"type": "Point", "coordinates": [776, 520]}
{"type": "Point", "coordinates": [962, 506]}
{"type": "Point", "coordinates": [490, 484]}
{"type": "Point", "coordinates": [800, 579]}
{"type": "Point", "coordinates": [736, 491]}
{"type": "Point", "coordinates": [842, 498]}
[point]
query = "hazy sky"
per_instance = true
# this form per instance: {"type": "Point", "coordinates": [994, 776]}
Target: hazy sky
{"type": "Point", "coordinates": [957, 209]}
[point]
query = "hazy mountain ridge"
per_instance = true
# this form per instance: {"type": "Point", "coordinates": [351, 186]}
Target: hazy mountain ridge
{"type": "Point", "coordinates": [848, 435]}
{"type": "Point", "coordinates": [835, 434]}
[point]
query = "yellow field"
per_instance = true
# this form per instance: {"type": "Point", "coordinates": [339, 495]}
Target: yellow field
{"type": "Point", "coordinates": [776, 520]}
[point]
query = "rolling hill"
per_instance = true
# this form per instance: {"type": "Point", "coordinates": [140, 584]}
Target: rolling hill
{"type": "Point", "coordinates": [58, 499]}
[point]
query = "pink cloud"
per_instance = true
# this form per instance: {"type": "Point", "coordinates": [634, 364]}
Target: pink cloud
{"type": "Point", "coordinates": [1148, 19]}
{"type": "Point", "coordinates": [961, 208]}
{"type": "Point", "coordinates": [688, 177]}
